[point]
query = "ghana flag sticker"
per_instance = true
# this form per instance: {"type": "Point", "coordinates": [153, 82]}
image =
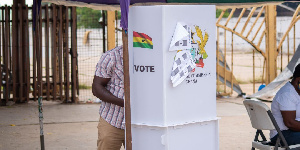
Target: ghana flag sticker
{"type": "Point", "coordinates": [142, 40]}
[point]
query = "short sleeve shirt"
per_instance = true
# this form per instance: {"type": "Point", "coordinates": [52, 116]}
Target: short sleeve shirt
{"type": "Point", "coordinates": [110, 66]}
{"type": "Point", "coordinates": [286, 99]}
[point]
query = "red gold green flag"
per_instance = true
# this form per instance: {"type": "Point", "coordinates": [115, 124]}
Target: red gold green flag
{"type": "Point", "coordinates": [142, 40]}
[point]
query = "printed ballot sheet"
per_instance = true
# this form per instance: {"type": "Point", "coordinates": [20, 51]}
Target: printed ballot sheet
{"type": "Point", "coordinates": [181, 39]}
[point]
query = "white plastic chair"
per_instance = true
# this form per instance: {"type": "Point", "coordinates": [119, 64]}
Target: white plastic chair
{"type": "Point", "coordinates": [262, 119]}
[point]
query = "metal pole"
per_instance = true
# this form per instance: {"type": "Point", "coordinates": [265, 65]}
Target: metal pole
{"type": "Point", "coordinates": [40, 100]}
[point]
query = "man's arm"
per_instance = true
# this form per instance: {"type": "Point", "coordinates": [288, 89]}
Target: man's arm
{"type": "Point", "coordinates": [289, 120]}
{"type": "Point", "coordinates": [102, 93]}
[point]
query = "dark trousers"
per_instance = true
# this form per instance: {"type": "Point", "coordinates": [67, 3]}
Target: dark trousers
{"type": "Point", "coordinates": [291, 137]}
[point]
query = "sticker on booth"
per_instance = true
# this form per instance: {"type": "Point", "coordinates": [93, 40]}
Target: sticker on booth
{"type": "Point", "coordinates": [142, 40]}
{"type": "Point", "coordinates": [191, 41]}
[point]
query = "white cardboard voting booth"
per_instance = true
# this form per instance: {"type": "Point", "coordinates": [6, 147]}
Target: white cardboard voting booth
{"type": "Point", "coordinates": [165, 117]}
{"type": "Point", "coordinates": [193, 136]}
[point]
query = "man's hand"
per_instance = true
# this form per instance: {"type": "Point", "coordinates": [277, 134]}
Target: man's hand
{"type": "Point", "coordinates": [289, 120]}
{"type": "Point", "coordinates": [102, 93]}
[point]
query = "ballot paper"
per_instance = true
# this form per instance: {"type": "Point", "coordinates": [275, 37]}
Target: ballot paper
{"type": "Point", "coordinates": [181, 39]}
{"type": "Point", "coordinates": [182, 66]}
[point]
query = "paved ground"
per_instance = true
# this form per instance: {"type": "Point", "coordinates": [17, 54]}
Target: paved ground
{"type": "Point", "coordinates": [74, 126]}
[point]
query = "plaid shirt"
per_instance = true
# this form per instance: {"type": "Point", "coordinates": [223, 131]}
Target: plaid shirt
{"type": "Point", "coordinates": [110, 66]}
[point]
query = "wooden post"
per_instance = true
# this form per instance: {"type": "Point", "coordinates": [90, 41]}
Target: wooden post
{"type": "Point", "coordinates": [218, 59]}
{"type": "Point", "coordinates": [27, 57]}
{"type": "Point", "coordinates": [54, 51]}
{"type": "Point", "coordinates": [225, 63]}
{"type": "Point", "coordinates": [271, 48]}
{"type": "Point", "coordinates": [39, 54]}
{"type": "Point", "coordinates": [34, 58]}
{"type": "Point", "coordinates": [6, 54]}
{"type": "Point", "coordinates": [2, 102]}
{"type": "Point", "coordinates": [47, 51]}
{"type": "Point", "coordinates": [20, 51]}
{"type": "Point", "coordinates": [288, 48]}
{"type": "Point", "coordinates": [60, 30]}
{"type": "Point", "coordinates": [25, 47]}
{"type": "Point", "coordinates": [74, 54]}
{"type": "Point", "coordinates": [66, 52]}
{"type": "Point", "coordinates": [14, 52]}
{"type": "Point", "coordinates": [111, 42]}
{"type": "Point", "coordinates": [231, 63]}
{"type": "Point", "coordinates": [127, 91]}
{"type": "Point", "coordinates": [253, 56]}
{"type": "Point", "coordinates": [116, 25]}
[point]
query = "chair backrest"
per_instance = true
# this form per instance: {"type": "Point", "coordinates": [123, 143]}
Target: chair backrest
{"type": "Point", "coordinates": [258, 113]}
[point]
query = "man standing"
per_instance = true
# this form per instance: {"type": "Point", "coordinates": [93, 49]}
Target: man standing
{"type": "Point", "coordinates": [286, 110]}
{"type": "Point", "coordinates": [108, 86]}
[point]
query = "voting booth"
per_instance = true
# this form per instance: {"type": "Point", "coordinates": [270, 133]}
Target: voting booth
{"type": "Point", "coordinates": [172, 51]}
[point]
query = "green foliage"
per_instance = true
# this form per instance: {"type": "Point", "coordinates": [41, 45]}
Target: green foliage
{"type": "Point", "coordinates": [257, 80]}
{"type": "Point", "coordinates": [119, 14]}
{"type": "Point", "coordinates": [83, 86]}
{"type": "Point", "coordinates": [219, 11]}
{"type": "Point", "coordinates": [88, 18]}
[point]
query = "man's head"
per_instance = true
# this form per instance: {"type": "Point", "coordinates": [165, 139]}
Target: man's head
{"type": "Point", "coordinates": [296, 78]}
{"type": "Point", "coordinates": [296, 73]}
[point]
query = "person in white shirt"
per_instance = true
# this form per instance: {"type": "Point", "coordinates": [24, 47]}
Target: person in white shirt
{"type": "Point", "coordinates": [286, 110]}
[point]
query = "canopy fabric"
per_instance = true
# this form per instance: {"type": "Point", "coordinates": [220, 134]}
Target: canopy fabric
{"type": "Point", "coordinates": [124, 4]}
{"type": "Point", "coordinates": [115, 4]}
{"type": "Point", "coordinates": [100, 4]}
{"type": "Point", "coordinates": [95, 6]}
{"type": "Point", "coordinates": [222, 1]}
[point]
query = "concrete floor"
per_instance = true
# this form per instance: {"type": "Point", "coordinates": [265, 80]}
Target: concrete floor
{"type": "Point", "coordinates": [70, 126]}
